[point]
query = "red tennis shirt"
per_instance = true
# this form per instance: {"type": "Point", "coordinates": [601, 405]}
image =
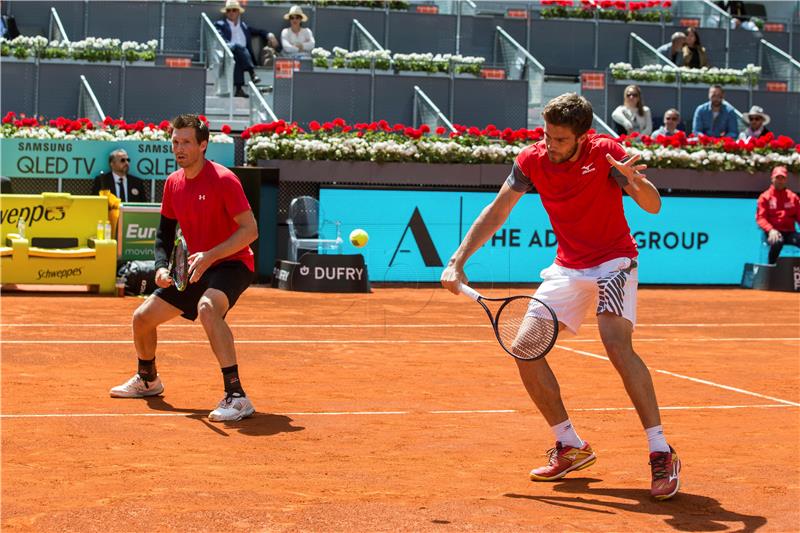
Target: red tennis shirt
{"type": "Point", "coordinates": [582, 199]}
{"type": "Point", "coordinates": [205, 207]}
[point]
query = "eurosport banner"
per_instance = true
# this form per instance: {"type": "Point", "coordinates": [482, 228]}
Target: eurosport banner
{"type": "Point", "coordinates": [138, 224]}
{"type": "Point", "coordinates": [82, 159]}
{"type": "Point", "coordinates": [412, 235]}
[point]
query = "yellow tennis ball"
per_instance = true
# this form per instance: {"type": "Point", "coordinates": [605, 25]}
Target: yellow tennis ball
{"type": "Point", "coordinates": [359, 238]}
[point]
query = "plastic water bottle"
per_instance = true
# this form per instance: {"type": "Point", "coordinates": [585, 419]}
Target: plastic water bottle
{"type": "Point", "coordinates": [101, 230]}
{"type": "Point", "coordinates": [22, 225]}
{"type": "Point", "coordinates": [107, 231]}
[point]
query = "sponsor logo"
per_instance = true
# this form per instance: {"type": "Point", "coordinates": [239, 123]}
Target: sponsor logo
{"type": "Point", "coordinates": [201, 196]}
{"type": "Point", "coordinates": [674, 475]}
{"type": "Point", "coordinates": [796, 277]}
{"type": "Point", "coordinates": [423, 239]}
{"type": "Point", "coordinates": [304, 270]}
{"type": "Point", "coordinates": [135, 231]}
{"type": "Point", "coordinates": [587, 168]}
{"type": "Point", "coordinates": [31, 214]}
{"type": "Point", "coordinates": [280, 274]}
{"type": "Point", "coordinates": [335, 273]}
{"type": "Point", "coordinates": [46, 273]}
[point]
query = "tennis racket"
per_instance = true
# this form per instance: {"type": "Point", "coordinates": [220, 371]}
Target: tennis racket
{"type": "Point", "coordinates": [179, 264]}
{"type": "Point", "coordinates": [525, 327]}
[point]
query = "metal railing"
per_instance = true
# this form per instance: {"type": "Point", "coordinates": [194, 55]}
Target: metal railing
{"type": "Point", "coordinates": [778, 65]}
{"type": "Point", "coordinates": [521, 65]}
{"type": "Point", "coordinates": [641, 53]}
{"type": "Point", "coordinates": [260, 110]}
{"type": "Point", "coordinates": [218, 59]}
{"type": "Point", "coordinates": [426, 112]}
{"type": "Point", "coordinates": [55, 31]}
{"type": "Point", "coordinates": [88, 106]}
{"type": "Point", "coordinates": [362, 39]}
{"type": "Point", "coordinates": [600, 126]}
{"type": "Point", "coordinates": [710, 16]}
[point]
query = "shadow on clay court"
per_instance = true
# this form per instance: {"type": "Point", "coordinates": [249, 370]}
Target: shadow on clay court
{"type": "Point", "coordinates": [684, 512]}
{"type": "Point", "coordinates": [258, 425]}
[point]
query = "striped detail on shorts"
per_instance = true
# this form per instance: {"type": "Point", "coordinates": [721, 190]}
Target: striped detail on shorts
{"type": "Point", "coordinates": [612, 293]}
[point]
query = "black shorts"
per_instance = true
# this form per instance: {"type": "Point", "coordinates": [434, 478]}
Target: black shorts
{"type": "Point", "coordinates": [230, 277]}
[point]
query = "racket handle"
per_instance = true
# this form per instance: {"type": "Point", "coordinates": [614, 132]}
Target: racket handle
{"type": "Point", "coordinates": [469, 291]}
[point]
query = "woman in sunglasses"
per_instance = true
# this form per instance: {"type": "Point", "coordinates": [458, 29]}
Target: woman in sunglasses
{"type": "Point", "coordinates": [633, 115]}
{"type": "Point", "coordinates": [296, 40]}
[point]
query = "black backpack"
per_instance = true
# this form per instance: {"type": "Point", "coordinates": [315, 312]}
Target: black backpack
{"type": "Point", "coordinates": [139, 276]}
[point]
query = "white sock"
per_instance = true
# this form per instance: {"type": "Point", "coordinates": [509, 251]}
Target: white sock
{"type": "Point", "coordinates": [656, 440]}
{"type": "Point", "coordinates": [565, 434]}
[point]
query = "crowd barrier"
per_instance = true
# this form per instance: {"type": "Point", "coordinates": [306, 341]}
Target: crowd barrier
{"type": "Point", "coordinates": [50, 88]}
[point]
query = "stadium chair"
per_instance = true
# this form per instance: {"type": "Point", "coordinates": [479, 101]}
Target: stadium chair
{"type": "Point", "coordinates": [305, 232]}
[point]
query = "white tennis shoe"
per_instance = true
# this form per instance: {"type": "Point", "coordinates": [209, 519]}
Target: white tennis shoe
{"type": "Point", "coordinates": [231, 408]}
{"type": "Point", "coordinates": [136, 387]}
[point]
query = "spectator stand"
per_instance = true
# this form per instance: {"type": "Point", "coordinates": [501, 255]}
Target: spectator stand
{"type": "Point", "coordinates": [123, 88]}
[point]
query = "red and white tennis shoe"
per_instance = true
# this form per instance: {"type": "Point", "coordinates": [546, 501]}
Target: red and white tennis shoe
{"type": "Point", "coordinates": [564, 459]}
{"type": "Point", "coordinates": [231, 408]}
{"type": "Point", "coordinates": [136, 387]}
{"type": "Point", "coordinates": [666, 468]}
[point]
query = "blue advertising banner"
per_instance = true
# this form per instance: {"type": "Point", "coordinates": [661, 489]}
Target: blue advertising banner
{"type": "Point", "coordinates": [414, 233]}
{"type": "Point", "coordinates": [82, 159]}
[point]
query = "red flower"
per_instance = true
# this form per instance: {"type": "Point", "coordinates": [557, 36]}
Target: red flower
{"type": "Point", "coordinates": [226, 129]}
{"type": "Point", "coordinates": [246, 134]}
{"type": "Point", "coordinates": [339, 122]}
{"type": "Point", "coordinates": [314, 125]}
{"type": "Point", "coordinates": [203, 118]}
{"type": "Point", "coordinates": [440, 130]}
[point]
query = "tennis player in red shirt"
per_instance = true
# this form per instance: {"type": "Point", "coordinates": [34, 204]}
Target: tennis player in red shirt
{"type": "Point", "coordinates": [208, 202]}
{"type": "Point", "coordinates": [580, 177]}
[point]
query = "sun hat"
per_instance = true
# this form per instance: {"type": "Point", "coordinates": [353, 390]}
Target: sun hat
{"type": "Point", "coordinates": [757, 111]}
{"type": "Point", "coordinates": [295, 10]}
{"type": "Point", "coordinates": [232, 4]}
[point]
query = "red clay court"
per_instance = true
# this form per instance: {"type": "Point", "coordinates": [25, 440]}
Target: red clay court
{"type": "Point", "coordinates": [393, 411]}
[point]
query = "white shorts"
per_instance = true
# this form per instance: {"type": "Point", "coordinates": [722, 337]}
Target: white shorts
{"type": "Point", "coordinates": [610, 286]}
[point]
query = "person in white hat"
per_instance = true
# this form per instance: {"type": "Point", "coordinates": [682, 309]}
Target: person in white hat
{"type": "Point", "coordinates": [757, 121]}
{"type": "Point", "coordinates": [237, 35]}
{"type": "Point", "coordinates": [296, 40]}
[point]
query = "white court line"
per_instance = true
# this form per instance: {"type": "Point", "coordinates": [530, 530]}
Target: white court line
{"type": "Point", "coordinates": [387, 341]}
{"type": "Point", "coordinates": [696, 380]}
{"type": "Point", "coordinates": [383, 326]}
{"type": "Point", "coordinates": [386, 413]}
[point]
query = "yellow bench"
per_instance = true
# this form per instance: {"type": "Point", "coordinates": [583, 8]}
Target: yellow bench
{"type": "Point", "coordinates": [51, 216]}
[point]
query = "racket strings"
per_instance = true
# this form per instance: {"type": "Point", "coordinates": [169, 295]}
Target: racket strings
{"type": "Point", "coordinates": [526, 328]}
{"type": "Point", "coordinates": [180, 266]}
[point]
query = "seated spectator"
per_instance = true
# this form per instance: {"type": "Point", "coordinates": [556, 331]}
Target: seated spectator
{"type": "Point", "coordinates": [777, 212]}
{"type": "Point", "coordinates": [674, 49]}
{"type": "Point", "coordinates": [8, 27]}
{"type": "Point", "coordinates": [237, 35]}
{"type": "Point", "coordinates": [126, 187]}
{"type": "Point", "coordinates": [296, 40]}
{"type": "Point", "coordinates": [671, 120]}
{"type": "Point", "coordinates": [757, 122]}
{"type": "Point", "coordinates": [694, 53]}
{"type": "Point", "coordinates": [715, 118]}
{"type": "Point", "coordinates": [633, 115]}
